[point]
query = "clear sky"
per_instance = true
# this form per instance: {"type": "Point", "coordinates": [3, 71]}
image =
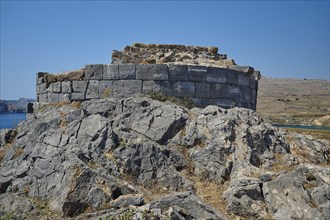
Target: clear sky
{"type": "Point", "coordinates": [281, 38]}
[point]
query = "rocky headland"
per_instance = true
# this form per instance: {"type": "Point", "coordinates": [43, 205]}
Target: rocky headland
{"type": "Point", "coordinates": [14, 106]}
{"type": "Point", "coordinates": [139, 158]}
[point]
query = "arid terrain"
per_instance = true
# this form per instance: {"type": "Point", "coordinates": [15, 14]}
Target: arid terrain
{"type": "Point", "coordinates": [295, 101]}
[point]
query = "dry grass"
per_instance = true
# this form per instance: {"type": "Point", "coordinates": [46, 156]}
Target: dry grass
{"type": "Point", "coordinates": [63, 122]}
{"type": "Point", "coordinates": [75, 104]}
{"type": "Point", "coordinates": [2, 154]}
{"type": "Point", "coordinates": [109, 156]}
{"type": "Point", "coordinates": [281, 164]}
{"type": "Point", "coordinates": [91, 164]}
{"type": "Point", "coordinates": [185, 102]}
{"type": "Point", "coordinates": [18, 152]}
{"type": "Point", "coordinates": [211, 192]}
{"type": "Point", "coordinates": [107, 93]}
{"type": "Point", "coordinates": [319, 134]}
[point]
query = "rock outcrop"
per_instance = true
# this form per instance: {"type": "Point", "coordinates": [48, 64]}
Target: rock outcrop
{"type": "Point", "coordinates": [139, 158]}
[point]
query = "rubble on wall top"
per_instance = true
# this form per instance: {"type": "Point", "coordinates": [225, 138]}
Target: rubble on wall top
{"type": "Point", "coordinates": [139, 53]}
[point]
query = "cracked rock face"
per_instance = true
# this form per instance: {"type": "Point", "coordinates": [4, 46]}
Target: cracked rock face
{"type": "Point", "coordinates": [137, 157]}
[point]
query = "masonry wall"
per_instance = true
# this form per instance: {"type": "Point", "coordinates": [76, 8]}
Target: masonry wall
{"type": "Point", "coordinates": [203, 85]}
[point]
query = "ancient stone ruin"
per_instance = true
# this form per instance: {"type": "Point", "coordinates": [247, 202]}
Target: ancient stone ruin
{"type": "Point", "coordinates": [196, 73]}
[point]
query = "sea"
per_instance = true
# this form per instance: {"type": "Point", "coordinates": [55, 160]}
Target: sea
{"type": "Point", "coordinates": [11, 120]}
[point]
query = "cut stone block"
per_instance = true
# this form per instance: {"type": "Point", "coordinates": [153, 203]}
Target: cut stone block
{"type": "Point", "coordinates": [197, 73]}
{"type": "Point", "coordinates": [53, 97]}
{"type": "Point", "coordinates": [232, 77]}
{"type": "Point", "coordinates": [151, 86]}
{"type": "Point", "coordinates": [54, 87]}
{"type": "Point", "coordinates": [43, 97]}
{"type": "Point", "coordinates": [105, 89]}
{"type": "Point", "coordinates": [219, 91]}
{"type": "Point", "coordinates": [94, 71]}
{"type": "Point", "coordinates": [92, 89]}
{"type": "Point", "coordinates": [127, 71]}
{"type": "Point", "coordinates": [152, 72]}
{"type": "Point", "coordinates": [245, 96]}
{"type": "Point", "coordinates": [216, 75]}
{"type": "Point", "coordinates": [111, 71]}
{"type": "Point", "coordinates": [243, 79]}
{"type": "Point", "coordinates": [127, 88]}
{"type": "Point", "coordinates": [40, 77]}
{"type": "Point", "coordinates": [177, 72]}
{"type": "Point", "coordinates": [66, 87]}
{"type": "Point", "coordinates": [78, 96]}
{"type": "Point", "coordinates": [244, 69]}
{"type": "Point", "coordinates": [184, 89]}
{"type": "Point", "coordinates": [252, 82]}
{"type": "Point", "coordinates": [79, 86]}
{"type": "Point", "coordinates": [42, 88]}
{"type": "Point", "coordinates": [202, 90]}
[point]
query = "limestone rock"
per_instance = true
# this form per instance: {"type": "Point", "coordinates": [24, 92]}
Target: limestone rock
{"type": "Point", "coordinates": [134, 157]}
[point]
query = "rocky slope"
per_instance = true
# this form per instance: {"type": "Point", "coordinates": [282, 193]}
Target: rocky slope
{"type": "Point", "coordinates": [139, 158]}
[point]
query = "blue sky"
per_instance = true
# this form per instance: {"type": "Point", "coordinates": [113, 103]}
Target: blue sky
{"type": "Point", "coordinates": [281, 38]}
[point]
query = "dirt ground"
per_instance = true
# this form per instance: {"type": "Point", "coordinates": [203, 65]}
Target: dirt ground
{"type": "Point", "coordinates": [295, 101]}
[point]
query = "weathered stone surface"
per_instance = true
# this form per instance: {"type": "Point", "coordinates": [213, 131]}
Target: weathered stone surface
{"type": "Point", "coordinates": [178, 72]}
{"type": "Point", "coordinates": [127, 71]}
{"type": "Point", "coordinates": [42, 97]}
{"type": "Point", "coordinates": [78, 96]}
{"type": "Point", "coordinates": [94, 159]}
{"type": "Point", "coordinates": [92, 89]}
{"type": "Point", "coordinates": [111, 72]}
{"type": "Point", "coordinates": [57, 97]}
{"type": "Point", "coordinates": [79, 86]}
{"type": "Point", "coordinates": [105, 89]}
{"type": "Point", "coordinates": [289, 195]}
{"type": "Point", "coordinates": [151, 86]}
{"type": "Point", "coordinates": [184, 89]}
{"type": "Point", "coordinates": [151, 72]}
{"type": "Point", "coordinates": [190, 206]}
{"type": "Point", "coordinates": [41, 88]}
{"type": "Point", "coordinates": [197, 73]}
{"type": "Point", "coordinates": [243, 79]}
{"type": "Point", "coordinates": [40, 77]}
{"type": "Point", "coordinates": [219, 91]}
{"type": "Point", "coordinates": [244, 69]}
{"type": "Point", "coordinates": [94, 72]}
{"type": "Point", "coordinates": [127, 200]}
{"type": "Point", "coordinates": [66, 87]}
{"type": "Point", "coordinates": [54, 87]}
{"type": "Point", "coordinates": [216, 75]}
{"type": "Point", "coordinates": [202, 90]}
{"type": "Point", "coordinates": [232, 77]}
{"type": "Point", "coordinates": [127, 88]}
{"type": "Point", "coordinates": [245, 198]}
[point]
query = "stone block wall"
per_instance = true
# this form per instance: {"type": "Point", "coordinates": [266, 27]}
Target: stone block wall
{"type": "Point", "coordinates": [203, 85]}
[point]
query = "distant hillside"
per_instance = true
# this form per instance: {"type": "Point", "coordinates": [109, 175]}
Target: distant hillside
{"type": "Point", "coordinates": [294, 101]}
{"type": "Point", "coordinates": [15, 106]}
